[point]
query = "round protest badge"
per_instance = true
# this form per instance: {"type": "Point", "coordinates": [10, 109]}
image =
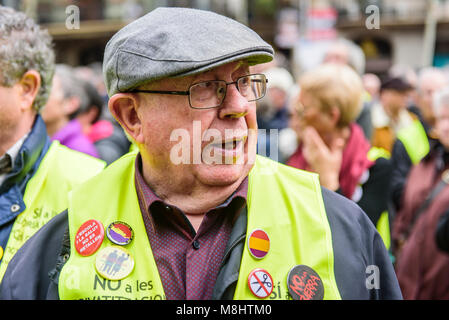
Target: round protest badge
{"type": "Point", "coordinates": [260, 283]}
{"type": "Point", "coordinates": [258, 243]}
{"type": "Point", "coordinates": [89, 237]}
{"type": "Point", "coordinates": [304, 284]}
{"type": "Point", "coordinates": [114, 263]}
{"type": "Point", "coordinates": [120, 233]}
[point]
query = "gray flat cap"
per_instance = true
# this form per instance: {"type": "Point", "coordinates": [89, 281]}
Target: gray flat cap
{"type": "Point", "coordinates": [176, 42]}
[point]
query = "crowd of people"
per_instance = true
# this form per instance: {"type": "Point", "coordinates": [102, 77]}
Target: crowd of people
{"type": "Point", "coordinates": [379, 141]}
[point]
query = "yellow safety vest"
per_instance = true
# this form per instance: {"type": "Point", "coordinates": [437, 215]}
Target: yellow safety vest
{"type": "Point", "coordinates": [284, 201]}
{"type": "Point", "coordinates": [60, 170]}
{"type": "Point", "coordinates": [415, 141]}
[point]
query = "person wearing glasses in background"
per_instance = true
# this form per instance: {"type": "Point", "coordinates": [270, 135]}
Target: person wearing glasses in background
{"type": "Point", "coordinates": [195, 214]}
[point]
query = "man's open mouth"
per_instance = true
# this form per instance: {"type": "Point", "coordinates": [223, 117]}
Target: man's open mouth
{"type": "Point", "coordinates": [226, 151]}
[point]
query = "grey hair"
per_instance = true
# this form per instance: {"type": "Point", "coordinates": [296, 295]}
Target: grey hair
{"type": "Point", "coordinates": [72, 86]}
{"type": "Point", "coordinates": [25, 46]}
{"type": "Point", "coordinates": [430, 72]}
{"type": "Point", "coordinates": [440, 100]}
{"type": "Point", "coordinates": [356, 57]}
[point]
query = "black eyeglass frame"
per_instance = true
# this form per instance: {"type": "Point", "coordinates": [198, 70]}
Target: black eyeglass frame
{"type": "Point", "coordinates": [187, 93]}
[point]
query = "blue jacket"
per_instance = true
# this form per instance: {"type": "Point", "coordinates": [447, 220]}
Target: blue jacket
{"type": "Point", "coordinates": [25, 166]}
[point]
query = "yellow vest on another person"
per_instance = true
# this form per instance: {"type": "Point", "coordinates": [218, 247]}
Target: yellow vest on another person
{"type": "Point", "coordinates": [46, 193]}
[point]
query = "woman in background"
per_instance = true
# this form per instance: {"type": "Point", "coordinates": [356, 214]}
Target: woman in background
{"type": "Point", "coordinates": [334, 146]}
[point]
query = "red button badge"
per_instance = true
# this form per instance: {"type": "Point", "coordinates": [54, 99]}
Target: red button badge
{"type": "Point", "coordinates": [89, 237]}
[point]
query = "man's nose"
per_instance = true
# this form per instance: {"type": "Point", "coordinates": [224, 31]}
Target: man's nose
{"type": "Point", "coordinates": [234, 104]}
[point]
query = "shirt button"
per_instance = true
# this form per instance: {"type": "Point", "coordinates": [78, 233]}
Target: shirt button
{"type": "Point", "coordinates": [196, 244]}
{"type": "Point", "coordinates": [15, 207]}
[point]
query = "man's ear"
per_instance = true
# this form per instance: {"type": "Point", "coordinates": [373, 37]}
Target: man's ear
{"type": "Point", "coordinates": [29, 86]}
{"type": "Point", "coordinates": [123, 107]}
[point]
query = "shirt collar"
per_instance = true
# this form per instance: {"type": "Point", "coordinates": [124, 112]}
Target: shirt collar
{"type": "Point", "coordinates": [29, 151]}
{"type": "Point", "coordinates": [14, 150]}
{"type": "Point", "coordinates": [12, 153]}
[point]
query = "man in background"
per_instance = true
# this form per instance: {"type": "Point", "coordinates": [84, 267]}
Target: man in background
{"type": "Point", "coordinates": [33, 171]}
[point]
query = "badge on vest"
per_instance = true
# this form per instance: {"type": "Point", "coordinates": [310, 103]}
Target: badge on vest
{"type": "Point", "coordinates": [304, 283]}
{"type": "Point", "coordinates": [258, 243]}
{"type": "Point", "coordinates": [260, 283]}
{"type": "Point", "coordinates": [120, 233]}
{"type": "Point", "coordinates": [114, 263]}
{"type": "Point", "coordinates": [89, 237]}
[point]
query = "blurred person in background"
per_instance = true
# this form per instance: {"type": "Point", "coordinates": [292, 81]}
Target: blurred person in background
{"type": "Point", "coordinates": [272, 111]}
{"type": "Point", "coordinates": [390, 116]}
{"type": "Point", "coordinates": [343, 51]}
{"type": "Point", "coordinates": [103, 131]}
{"type": "Point", "coordinates": [407, 152]}
{"type": "Point", "coordinates": [333, 145]}
{"type": "Point", "coordinates": [421, 267]}
{"type": "Point", "coordinates": [34, 172]}
{"type": "Point", "coordinates": [429, 81]}
{"type": "Point", "coordinates": [408, 74]}
{"type": "Point", "coordinates": [68, 99]}
{"type": "Point", "coordinates": [371, 83]}
{"type": "Point", "coordinates": [346, 52]}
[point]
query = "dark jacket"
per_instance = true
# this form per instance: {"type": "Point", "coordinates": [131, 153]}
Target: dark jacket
{"type": "Point", "coordinates": [401, 164]}
{"type": "Point", "coordinates": [442, 232]}
{"type": "Point", "coordinates": [34, 271]}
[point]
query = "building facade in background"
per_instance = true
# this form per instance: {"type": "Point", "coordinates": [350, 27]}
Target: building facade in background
{"type": "Point", "coordinates": [409, 32]}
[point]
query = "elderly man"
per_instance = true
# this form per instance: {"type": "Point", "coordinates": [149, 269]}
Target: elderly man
{"type": "Point", "coordinates": [33, 171]}
{"type": "Point", "coordinates": [191, 216]}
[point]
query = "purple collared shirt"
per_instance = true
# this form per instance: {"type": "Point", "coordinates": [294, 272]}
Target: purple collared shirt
{"type": "Point", "coordinates": [188, 261]}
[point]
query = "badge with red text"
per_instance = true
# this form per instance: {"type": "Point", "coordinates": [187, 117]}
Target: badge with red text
{"type": "Point", "coordinates": [120, 233]}
{"type": "Point", "coordinates": [114, 263]}
{"type": "Point", "coordinates": [258, 243]}
{"type": "Point", "coordinates": [304, 283]}
{"type": "Point", "coordinates": [260, 283]}
{"type": "Point", "coordinates": [89, 237]}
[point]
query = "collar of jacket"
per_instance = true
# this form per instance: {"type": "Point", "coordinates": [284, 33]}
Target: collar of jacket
{"type": "Point", "coordinates": [30, 154]}
{"type": "Point", "coordinates": [226, 282]}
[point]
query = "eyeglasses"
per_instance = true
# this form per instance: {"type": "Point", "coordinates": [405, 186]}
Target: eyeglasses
{"type": "Point", "coordinates": [210, 94]}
